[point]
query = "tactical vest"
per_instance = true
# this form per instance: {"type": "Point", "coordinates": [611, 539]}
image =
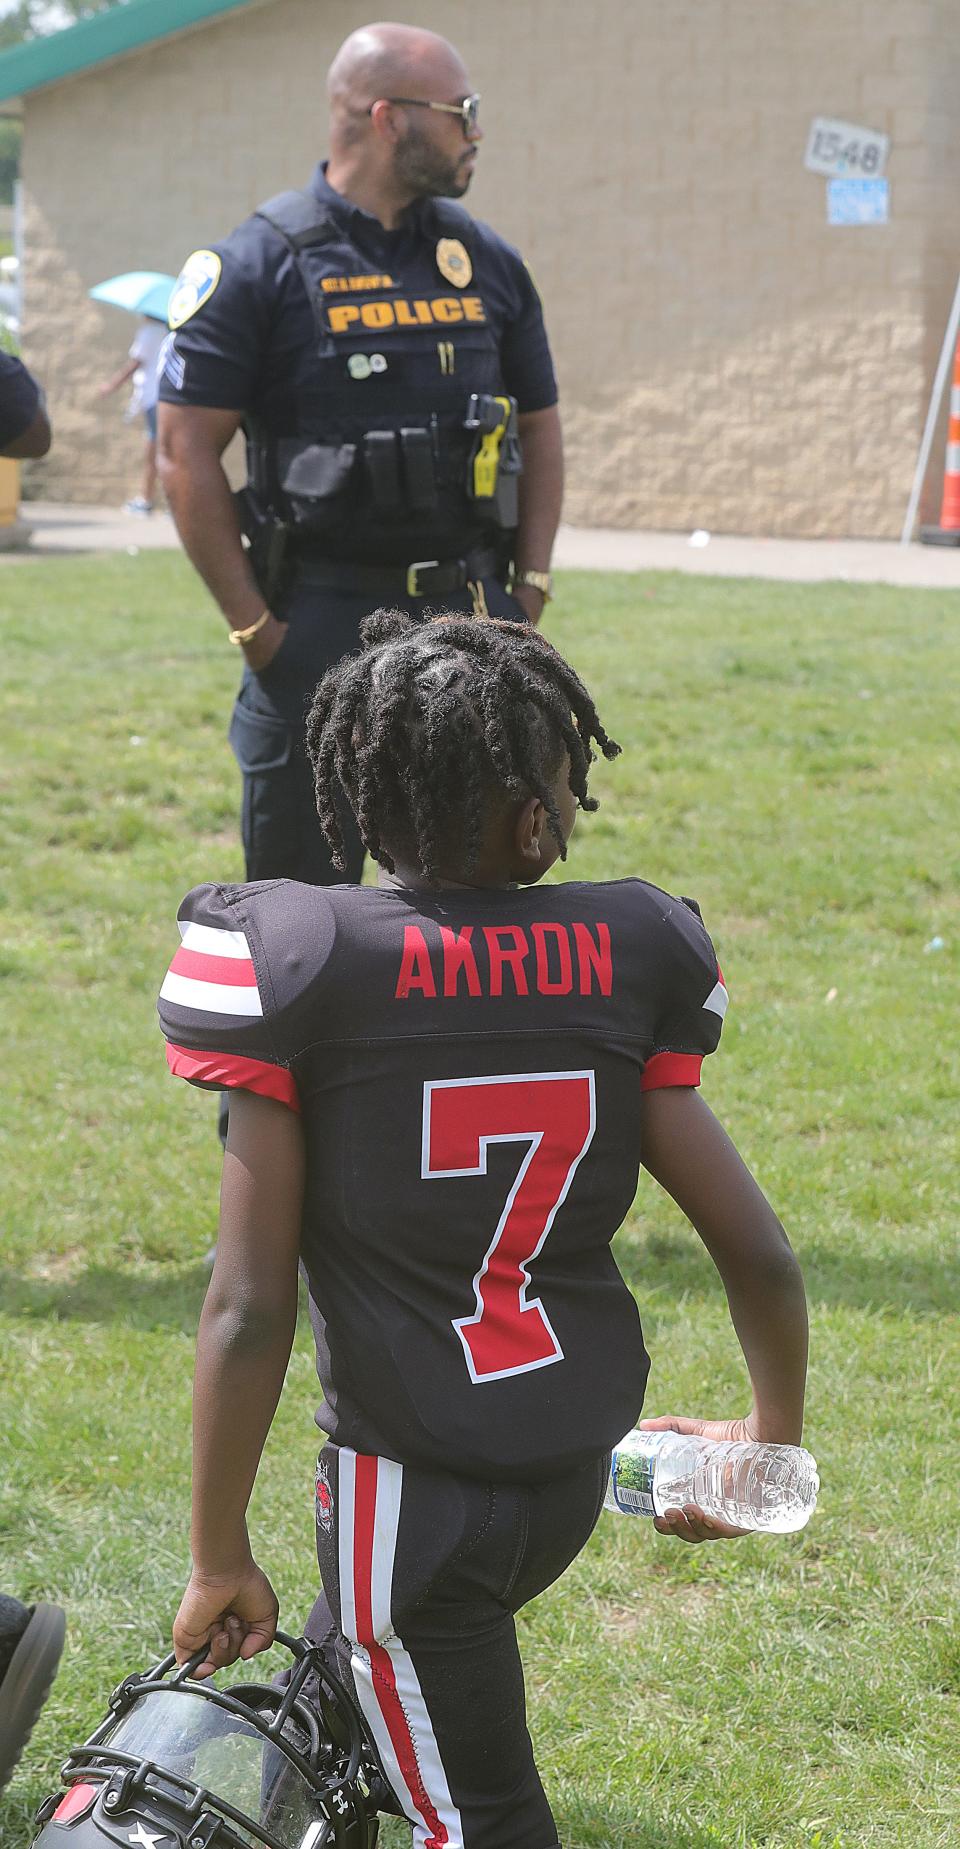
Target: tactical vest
{"type": "Point", "coordinates": [392, 463]}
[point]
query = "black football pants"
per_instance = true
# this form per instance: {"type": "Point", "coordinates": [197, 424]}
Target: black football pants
{"type": "Point", "coordinates": [281, 832]}
{"type": "Point", "coordinates": [422, 1574]}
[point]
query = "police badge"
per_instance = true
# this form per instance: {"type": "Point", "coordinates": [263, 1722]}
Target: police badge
{"type": "Point", "coordinates": [453, 263]}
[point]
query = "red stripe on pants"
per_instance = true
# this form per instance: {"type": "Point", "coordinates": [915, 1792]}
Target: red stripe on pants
{"type": "Point", "coordinates": [384, 1680]}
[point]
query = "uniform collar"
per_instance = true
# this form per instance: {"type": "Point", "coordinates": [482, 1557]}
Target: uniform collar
{"type": "Point", "coordinates": [415, 218]}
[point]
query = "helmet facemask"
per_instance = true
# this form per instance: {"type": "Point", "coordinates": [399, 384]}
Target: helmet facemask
{"type": "Point", "coordinates": [181, 1764]}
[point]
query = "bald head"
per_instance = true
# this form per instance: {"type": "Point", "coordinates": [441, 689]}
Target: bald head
{"type": "Point", "coordinates": [396, 131]}
{"type": "Point", "coordinates": [391, 60]}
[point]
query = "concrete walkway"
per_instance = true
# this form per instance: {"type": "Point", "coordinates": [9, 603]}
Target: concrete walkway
{"type": "Point", "coordinates": [62, 530]}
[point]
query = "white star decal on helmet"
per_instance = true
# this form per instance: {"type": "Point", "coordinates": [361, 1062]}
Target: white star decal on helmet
{"type": "Point", "coordinates": [147, 1838]}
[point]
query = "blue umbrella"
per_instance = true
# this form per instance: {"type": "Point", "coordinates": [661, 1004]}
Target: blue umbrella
{"type": "Point", "coordinates": [143, 292]}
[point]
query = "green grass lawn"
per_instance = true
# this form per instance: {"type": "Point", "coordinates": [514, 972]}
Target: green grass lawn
{"type": "Point", "coordinates": [791, 759]}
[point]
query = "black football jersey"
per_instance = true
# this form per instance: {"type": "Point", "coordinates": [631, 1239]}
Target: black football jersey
{"type": "Point", "coordinates": [468, 1065]}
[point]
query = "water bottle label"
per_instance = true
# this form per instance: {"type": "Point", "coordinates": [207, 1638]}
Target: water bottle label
{"type": "Point", "coordinates": [632, 1477]}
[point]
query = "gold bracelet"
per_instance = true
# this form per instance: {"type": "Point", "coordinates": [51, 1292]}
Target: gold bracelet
{"type": "Point", "coordinates": [538, 580]}
{"type": "Point", "coordinates": [239, 636]}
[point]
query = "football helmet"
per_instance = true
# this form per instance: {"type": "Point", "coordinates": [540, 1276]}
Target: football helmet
{"type": "Point", "coordinates": [181, 1764]}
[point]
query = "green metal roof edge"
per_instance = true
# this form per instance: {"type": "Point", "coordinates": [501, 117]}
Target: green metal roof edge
{"type": "Point", "coordinates": [112, 34]}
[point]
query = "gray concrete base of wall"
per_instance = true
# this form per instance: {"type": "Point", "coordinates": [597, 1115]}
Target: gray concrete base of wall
{"type": "Point", "coordinates": [15, 535]}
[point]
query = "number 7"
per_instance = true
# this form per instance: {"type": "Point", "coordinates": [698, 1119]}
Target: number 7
{"type": "Point", "coordinates": [554, 1113]}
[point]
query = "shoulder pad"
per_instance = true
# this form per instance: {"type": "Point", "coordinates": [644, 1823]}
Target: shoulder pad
{"type": "Point", "coordinates": [454, 221]}
{"type": "Point", "coordinates": [298, 216]}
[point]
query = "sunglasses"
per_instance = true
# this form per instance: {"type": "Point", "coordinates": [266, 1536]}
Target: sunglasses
{"type": "Point", "coordinates": [468, 110]}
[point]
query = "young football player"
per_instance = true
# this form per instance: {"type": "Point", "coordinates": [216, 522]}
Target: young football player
{"type": "Point", "coordinates": [443, 1088]}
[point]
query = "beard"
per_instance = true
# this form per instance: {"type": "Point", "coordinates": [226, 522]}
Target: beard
{"type": "Point", "coordinates": [427, 172]}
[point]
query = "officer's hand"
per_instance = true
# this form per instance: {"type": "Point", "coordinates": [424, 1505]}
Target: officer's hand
{"type": "Point", "coordinates": [260, 650]}
{"type": "Point", "coordinates": [530, 601]}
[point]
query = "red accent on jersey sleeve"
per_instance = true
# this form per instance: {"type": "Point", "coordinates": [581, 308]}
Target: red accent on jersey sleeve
{"type": "Point", "coordinates": [234, 1073]}
{"type": "Point", "coordinates": [671, 1069]}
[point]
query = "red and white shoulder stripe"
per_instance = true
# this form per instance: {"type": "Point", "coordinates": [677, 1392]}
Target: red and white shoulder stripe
{"type": "Point", "coordinates": [718, 999]}
{"type": "Point", "coordinates": [683, 1069]}
{"type": "Point", "coordinates": [212, 980]}
{"type": "Point", "coordinates": [213, 972]}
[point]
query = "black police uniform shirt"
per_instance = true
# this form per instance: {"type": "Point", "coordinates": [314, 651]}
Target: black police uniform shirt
{"type": "Point", "coordinates": [401, 343]}
{"type": "Point", "coordinates": [19, 399]}
{"type": "Point", "coordinates": [468, 1065]}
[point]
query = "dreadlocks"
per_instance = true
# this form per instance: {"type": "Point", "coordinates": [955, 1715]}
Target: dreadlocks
{"type": "Point", "coordinates": [436, 721]}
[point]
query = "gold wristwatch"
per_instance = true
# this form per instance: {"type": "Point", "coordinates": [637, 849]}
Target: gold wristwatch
{"type": "Point", "coordinates": [539, 580]}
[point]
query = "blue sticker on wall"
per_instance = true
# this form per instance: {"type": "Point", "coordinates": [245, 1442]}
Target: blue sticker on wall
{"type": "Point", "coordinates": [858, 202]}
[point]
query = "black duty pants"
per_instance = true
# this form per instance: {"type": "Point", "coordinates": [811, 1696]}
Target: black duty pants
{"type": "Point", "coordinates": [422, 1574]}
{"type": "Point", "coordinates": [281, 832]}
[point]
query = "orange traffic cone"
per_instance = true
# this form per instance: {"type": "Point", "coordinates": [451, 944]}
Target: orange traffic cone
{"type": "Point", "coordinates": [948, 532]}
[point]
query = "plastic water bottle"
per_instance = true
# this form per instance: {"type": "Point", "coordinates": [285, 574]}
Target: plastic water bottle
{"type": "Point", "coordinates": [768, 1487]}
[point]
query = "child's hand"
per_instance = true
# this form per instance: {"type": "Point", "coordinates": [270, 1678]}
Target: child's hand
{"type": "Point", "coordinates": [690, 1523]}
{"type": "Point", "coordinates": [235, 1615]}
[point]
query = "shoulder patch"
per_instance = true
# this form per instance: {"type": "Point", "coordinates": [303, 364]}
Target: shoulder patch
{"type": "Point", "coordinates": [194, 286]}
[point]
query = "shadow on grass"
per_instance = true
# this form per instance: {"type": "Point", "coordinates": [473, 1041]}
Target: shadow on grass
{"type": "Point", "coordinates": [900, 1281]}
{"type": "Point", "coordinates": [99, 1295]}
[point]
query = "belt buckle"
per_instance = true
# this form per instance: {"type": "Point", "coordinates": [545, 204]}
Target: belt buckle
{"type": "Point", "coordinates": [413, 575]}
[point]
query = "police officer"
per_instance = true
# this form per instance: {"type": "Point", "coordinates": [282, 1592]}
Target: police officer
{"type": "Point", "coordinates": [386, 357]}
{"type": "Point", "coordinates": [24, 424]}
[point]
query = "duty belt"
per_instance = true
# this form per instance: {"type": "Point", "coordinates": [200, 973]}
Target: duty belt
{"type": "Point", "coordinates": [421, 578]}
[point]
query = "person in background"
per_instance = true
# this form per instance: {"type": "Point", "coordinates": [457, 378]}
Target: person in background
{"type": "Point", "coordinates": [24, 424]}
{"type": "Point", "coordinates": [141, 367]}
{"type": "Point", "coordinates": [385, 354]}
{"type": "Point", "coordinates": [31, 1644]}
{"type": "Point", "coordinates": [31, 1636]}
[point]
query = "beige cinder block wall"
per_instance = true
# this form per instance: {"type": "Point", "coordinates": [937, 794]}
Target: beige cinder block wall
{"type": "Point", "coordinates": [726, 358]}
